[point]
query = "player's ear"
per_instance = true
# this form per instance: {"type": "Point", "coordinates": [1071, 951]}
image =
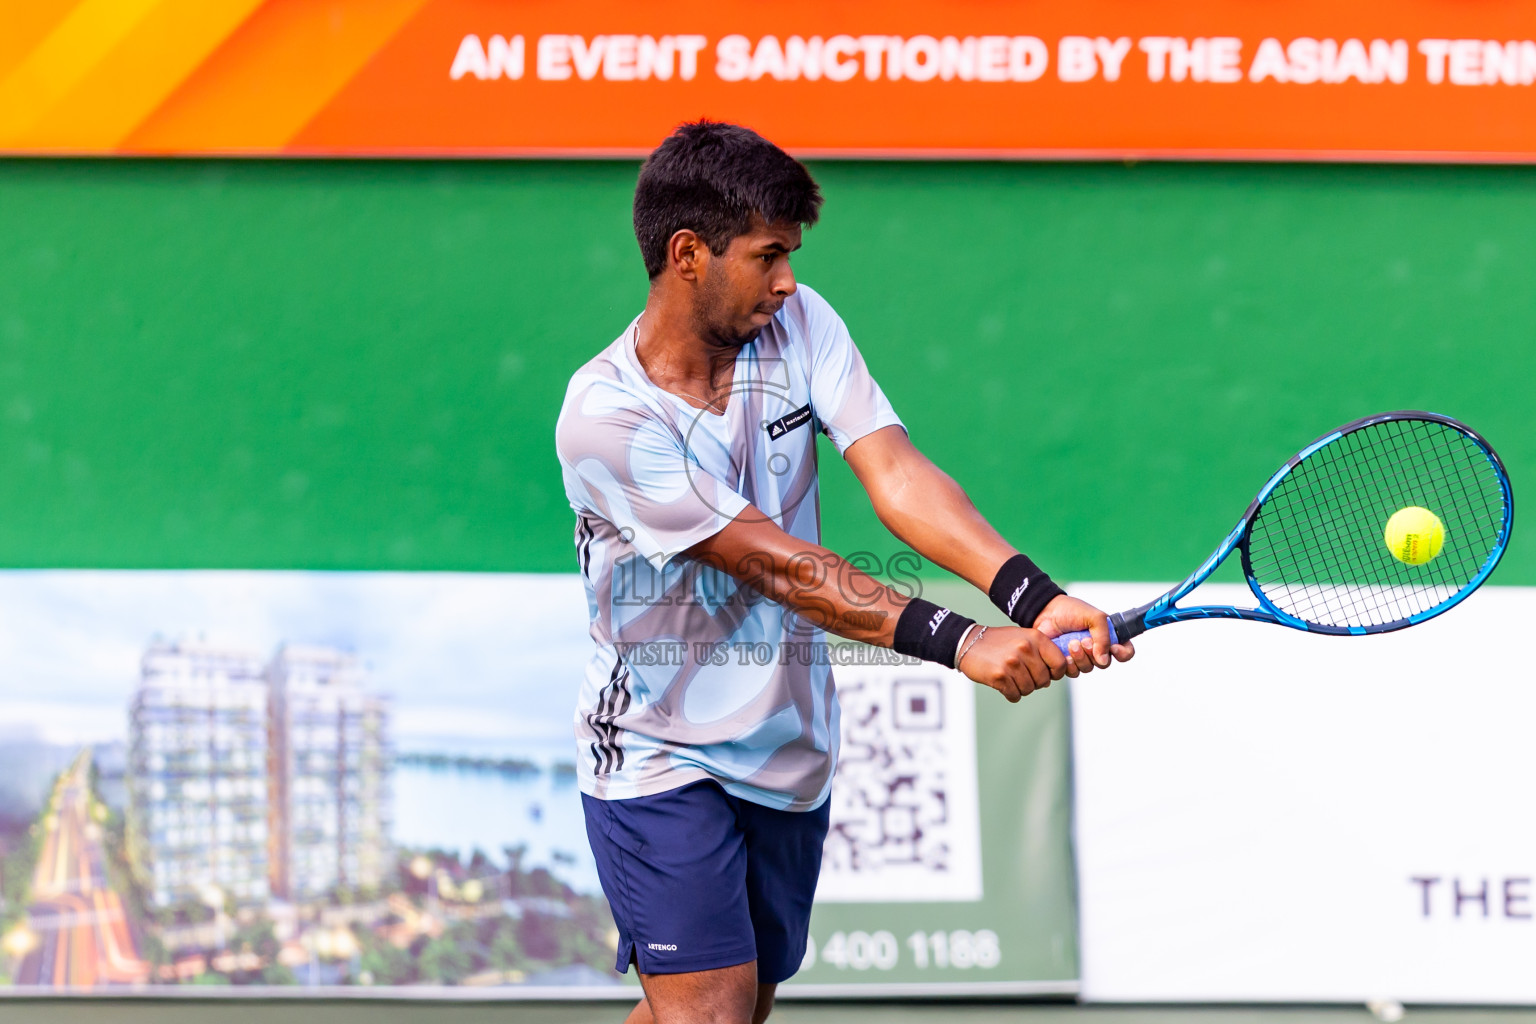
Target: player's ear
{"type": "Point", "coordinates": [687, 254]}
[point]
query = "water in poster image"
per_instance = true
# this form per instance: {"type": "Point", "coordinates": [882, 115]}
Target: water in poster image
{"type": "Point", "coordinates": [465, 808]}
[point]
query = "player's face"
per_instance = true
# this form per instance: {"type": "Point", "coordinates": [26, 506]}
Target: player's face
{"type": "Point", "coordinates": [742, 288]}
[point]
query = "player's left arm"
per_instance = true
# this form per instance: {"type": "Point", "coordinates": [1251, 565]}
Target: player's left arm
{"type": "Point", "coordinates": [927, 510]}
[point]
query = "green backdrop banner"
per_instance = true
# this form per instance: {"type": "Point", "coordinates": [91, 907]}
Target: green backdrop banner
{"type": "Point", "coordinates": [357, 365]}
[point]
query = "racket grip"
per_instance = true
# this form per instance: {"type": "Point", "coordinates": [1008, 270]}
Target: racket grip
{"type": "Point", "coordinates": [1082, 636]}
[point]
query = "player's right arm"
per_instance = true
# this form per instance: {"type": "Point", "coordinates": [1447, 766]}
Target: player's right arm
{"type": "Point", "coordinates": [624, 465]}
{"type": "Point", "coordinates": [827, 590]}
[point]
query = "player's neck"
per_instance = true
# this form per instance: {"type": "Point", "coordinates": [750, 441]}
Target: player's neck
{"type": "Point", "coordinates": [681, 358]}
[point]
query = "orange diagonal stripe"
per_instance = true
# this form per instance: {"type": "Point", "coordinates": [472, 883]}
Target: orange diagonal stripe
{"type": "Point", "coordinates": [265, 83]}
{"type": "Point", "coordinates": [65, 56]}
{"type": "Point", "coordinates": [24, 25]}
{"type": "Point", "coordinates": [135, 76]}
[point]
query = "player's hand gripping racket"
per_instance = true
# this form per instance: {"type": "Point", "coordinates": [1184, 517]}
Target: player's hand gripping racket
{"type": "Point", "coordinates": [1381, 524]}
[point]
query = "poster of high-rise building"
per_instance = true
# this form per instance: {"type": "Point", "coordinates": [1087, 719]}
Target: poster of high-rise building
{"type": "Point", "coordinates": [289, 778]}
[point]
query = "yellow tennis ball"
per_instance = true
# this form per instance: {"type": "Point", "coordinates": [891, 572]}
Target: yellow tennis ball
{"type": "Point", "coordinates": [1414, 535]}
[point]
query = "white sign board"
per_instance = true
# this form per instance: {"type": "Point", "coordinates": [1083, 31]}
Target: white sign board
{"type": "Point", "coordinates": [1267, 815]}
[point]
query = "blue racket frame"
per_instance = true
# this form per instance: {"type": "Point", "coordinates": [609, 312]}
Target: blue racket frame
{"type": "Point", "coordinates": [1163, 610]}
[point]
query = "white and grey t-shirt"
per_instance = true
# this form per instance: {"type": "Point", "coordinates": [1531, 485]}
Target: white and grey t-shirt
{"type": "Point", "coordinates": [695, 675]}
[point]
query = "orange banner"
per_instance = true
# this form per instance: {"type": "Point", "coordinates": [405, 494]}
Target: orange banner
{"type": "Point", "coordinates": [1402, 80]}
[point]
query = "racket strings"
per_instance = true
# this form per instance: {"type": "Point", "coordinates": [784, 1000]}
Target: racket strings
{"type": "Point", "coordinates": [1317, 595]}
{"type": "Point", "coordinates": [1315, 590]}
{"type": "Point", "coordinates": [1348, 605]}
{"type": "Point", "coordinates": [1317, 549]}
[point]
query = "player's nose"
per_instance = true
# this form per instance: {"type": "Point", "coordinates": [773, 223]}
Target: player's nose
{"type": "Point", "coordinates": [784, 280]}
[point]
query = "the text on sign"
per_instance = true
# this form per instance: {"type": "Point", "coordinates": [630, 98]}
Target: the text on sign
{"type": "Point", "coordinates": [992, 58]}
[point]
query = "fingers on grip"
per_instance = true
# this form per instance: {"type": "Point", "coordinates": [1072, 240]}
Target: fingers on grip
{"type": "Point", "coordinates": [1083, 637]}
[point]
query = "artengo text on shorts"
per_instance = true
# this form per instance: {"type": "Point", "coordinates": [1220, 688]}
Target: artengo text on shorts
{"type": "Point", "coordinates": [663, 947]}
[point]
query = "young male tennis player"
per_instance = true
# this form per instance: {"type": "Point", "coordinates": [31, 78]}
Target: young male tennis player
{"type": "Point", "coordinates": [688, 448]}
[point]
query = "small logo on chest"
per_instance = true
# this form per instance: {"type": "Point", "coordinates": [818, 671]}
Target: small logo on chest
{"type": "Point", "coordinates": [784, 424]}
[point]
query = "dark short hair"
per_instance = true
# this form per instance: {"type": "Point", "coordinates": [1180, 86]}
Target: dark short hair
{"type": "Point", "coordinates": [710, 178]}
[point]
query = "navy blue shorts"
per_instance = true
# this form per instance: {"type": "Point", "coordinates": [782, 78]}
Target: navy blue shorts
{"type": "Point", "coordinates": [700, 879]}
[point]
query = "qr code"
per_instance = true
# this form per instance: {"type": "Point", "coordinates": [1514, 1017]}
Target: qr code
{"type": "Point", "coordinates": [905, 819]}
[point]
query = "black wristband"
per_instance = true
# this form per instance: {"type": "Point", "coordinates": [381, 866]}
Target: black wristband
{"type": "Point", "coordinates": [930, 632]}
{"type": "Point", "coordinates": [1022, 590]}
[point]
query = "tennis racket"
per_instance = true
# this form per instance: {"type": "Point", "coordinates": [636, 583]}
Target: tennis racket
{"type": "Point", "coordinates": [1313, 542]}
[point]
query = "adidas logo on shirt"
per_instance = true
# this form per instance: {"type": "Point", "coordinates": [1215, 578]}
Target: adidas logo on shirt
{"type": "Point", "coordinates": [784, 424]}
